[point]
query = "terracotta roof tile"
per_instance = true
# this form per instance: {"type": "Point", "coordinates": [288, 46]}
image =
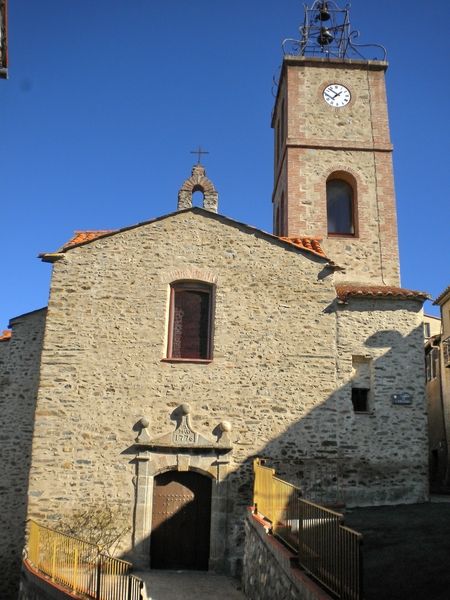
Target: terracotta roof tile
{"type": "Point", "coordinates": [344, 292]}
{"type": "Point", "coordinates": [442, 295]}
{"type": "Point", "coordinates": [5, 336]}
{"type": "Point", "coordinates": [311, 244]}
{"type": "Point", "coordinates": [86, 236]}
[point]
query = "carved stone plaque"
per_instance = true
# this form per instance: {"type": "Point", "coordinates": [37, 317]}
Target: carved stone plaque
{"type": "Point", "coordinates": [184, 434]}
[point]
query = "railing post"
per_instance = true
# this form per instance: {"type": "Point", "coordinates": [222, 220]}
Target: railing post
{"type": "Point", "coordinates": [342, 560]}
{"type": "Point", "coordinates": [300, 526]}
{"type": "Point", "coordinates": [270, 502]}
{"type": "Point", "coordinates": [38, 554]}
{"type": "Point", "coordinates": [99, 577]}
{"type": "Point", "coordinates": [255, 476]}
{"type": "Point", "coordinates": [360, 569]}
{"type": "Point", "coordinates": [54, 561]}
{"type": "Point", "coordinates": [75, 569]}
{"type": "Point", "coordinates": [129, 588]}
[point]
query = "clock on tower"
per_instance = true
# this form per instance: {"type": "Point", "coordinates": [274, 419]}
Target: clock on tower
{"type": "Point", "coordinates": [333, 155]}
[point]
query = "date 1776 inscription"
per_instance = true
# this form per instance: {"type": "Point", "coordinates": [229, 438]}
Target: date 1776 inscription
{"type": "Point", "coordinates": [183, 435]}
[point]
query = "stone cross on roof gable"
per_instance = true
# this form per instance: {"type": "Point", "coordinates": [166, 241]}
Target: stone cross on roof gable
{"type": "Point", "coordinates": [198, 182]}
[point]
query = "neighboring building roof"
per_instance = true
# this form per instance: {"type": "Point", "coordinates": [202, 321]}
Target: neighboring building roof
{"type": "Point", "coordinates": [434, 317]}
{"type": "Point", "coordinates": [307, 244]}
{"type": "Point", "coordinates": [5, 336]}
{"type": "Point", "coordinates": [442, 297]}
{"type": "Point", "coordinates": [27, 314]}
{"type": "Point", "coordinates": [344, 292]}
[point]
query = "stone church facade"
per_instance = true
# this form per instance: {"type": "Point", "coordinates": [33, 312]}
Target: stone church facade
{"type": "Point", "coordinates": [301, 347]}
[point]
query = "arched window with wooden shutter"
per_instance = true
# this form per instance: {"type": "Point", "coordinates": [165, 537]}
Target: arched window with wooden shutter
{"type": "Point", "coordinates": [190, 322]}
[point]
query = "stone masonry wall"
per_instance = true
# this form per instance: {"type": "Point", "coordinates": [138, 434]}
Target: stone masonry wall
{"type": "Point", "coordinates": [372, 256]}
{"type": "Point", "coordinates": [19, 374]}
{"type": "Point", "coordinates": [270, 572]}
{"type": "Point", "coordinates": [386, 448]}
{"type": "Point", "coordinates": [102, 365]}
{"type": "Point", "coordinates": [273, 374]}
{"type": "Point", "coordinates": [445, 376]}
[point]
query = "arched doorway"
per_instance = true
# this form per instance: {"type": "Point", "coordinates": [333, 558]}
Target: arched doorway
{"type": "Point", "coordinates": [181, 521]}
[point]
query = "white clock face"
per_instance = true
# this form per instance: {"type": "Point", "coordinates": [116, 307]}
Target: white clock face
{"type": "Point", "coordinates": [336, 95]}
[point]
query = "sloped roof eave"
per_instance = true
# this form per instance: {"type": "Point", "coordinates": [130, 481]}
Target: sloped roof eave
{"type": "Point", "coordinates": [206, 213]}
{"type": "Point", "coordinates": [442, 296]}
{"type": "Point", "coordinates": [5, 335]}
{"type": "Point", "coordinates": [346, 291]}
{"type": "Point", "coordinates": [27, 314]}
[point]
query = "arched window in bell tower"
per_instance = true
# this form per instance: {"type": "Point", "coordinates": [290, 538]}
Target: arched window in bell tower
{"type": "Point", "coordinates": [341, 205]}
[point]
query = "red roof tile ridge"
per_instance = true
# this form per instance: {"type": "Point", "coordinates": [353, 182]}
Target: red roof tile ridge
{"type": "Point", "coordinates": [6, 335]}
{"type": "Point", "coordinates": [309, 243]}
{"type": "Point", "coordinates": [346, 290]}
{"type": "Point", "coordinates": [86, 236]}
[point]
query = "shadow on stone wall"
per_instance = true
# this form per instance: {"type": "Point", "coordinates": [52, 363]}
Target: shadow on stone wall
{"type": "Point", "coordinates": [373, 458]}
{"type": "Point", "coordinates": [18, 390]}
{"type": "Point", "coordinates": [334, 455]}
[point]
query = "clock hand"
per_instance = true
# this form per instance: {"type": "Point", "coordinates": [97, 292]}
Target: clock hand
{"type": "Point", "coordinates": [330, 97]}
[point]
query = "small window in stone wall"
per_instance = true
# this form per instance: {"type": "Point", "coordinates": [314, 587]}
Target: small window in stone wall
{"type": "Point", "coordinates": [360, 399]}
{"type": "Point", "coordinates": [190, 321]}
{"type": "Point", "coordinates": [361, 383]}
{"type": "Point", "coordinates": [432, 364]}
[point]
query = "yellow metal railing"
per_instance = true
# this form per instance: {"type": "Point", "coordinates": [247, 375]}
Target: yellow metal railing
{"type": "Point", "coordinates": [330, 551]}
{"type": "Point", "coordinates": [79, 565]}
{"type": "Point", "coordinates": [327, 549]}
{"type": "Point", "coordinates": [278, 501]}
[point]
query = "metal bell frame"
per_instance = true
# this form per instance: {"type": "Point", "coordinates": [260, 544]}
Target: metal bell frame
{"type": "Point", "coordinates": [326, 32]}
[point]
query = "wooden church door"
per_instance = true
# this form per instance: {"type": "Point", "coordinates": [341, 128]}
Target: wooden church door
{"type": "Point", "coordinates": [181, 521]}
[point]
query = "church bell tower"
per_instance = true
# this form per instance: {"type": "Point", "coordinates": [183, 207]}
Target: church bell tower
{"type": "Point", "coordinates": [333, 176]}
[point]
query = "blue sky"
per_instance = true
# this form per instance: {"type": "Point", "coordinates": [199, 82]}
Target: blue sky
{"type": "Point", "coordinates": [106, 99]}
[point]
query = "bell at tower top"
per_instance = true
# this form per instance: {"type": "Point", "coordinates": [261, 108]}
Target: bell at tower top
{"type": "Point", "coordinates": [327, 33]}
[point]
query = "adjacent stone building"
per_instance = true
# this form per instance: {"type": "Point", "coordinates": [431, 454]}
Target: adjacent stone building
{"type": "Point", "coordinates": [3, 39]}
{"type": "Point", "coordinates": [175, 351]}
{"type": "Point", "coordinates": [437, 362]}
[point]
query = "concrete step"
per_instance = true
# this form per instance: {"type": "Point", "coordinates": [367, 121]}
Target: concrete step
{"type": "Point", "coordinates": [190, 585]}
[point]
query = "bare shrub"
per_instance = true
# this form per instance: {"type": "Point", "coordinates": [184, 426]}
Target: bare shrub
{"type": "Point", "coordinates": [102, 525]}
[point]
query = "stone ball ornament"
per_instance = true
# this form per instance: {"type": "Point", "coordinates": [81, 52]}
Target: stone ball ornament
{"type": "Point", "coordinates": [225, 426]}
{"type": "Point", "coordinates": [185, 409]}
{"type": "Point", "coordinates": [145, 422]}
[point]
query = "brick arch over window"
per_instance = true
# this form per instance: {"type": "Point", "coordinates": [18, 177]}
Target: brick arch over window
{"type": "Point", "coordinates": [190, 321]}
{"type": "Point", "coordinates": [190, 273]}
{"type": "Point", "coordinates": [198, 182]}
{"type": "Point", "coordinates": [342, 204]}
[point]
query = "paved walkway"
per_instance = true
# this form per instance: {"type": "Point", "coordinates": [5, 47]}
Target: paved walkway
{"type": "Point", "coordinates": [190, 585]}
{"type": "Point", "coordinates": [406, 550]}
